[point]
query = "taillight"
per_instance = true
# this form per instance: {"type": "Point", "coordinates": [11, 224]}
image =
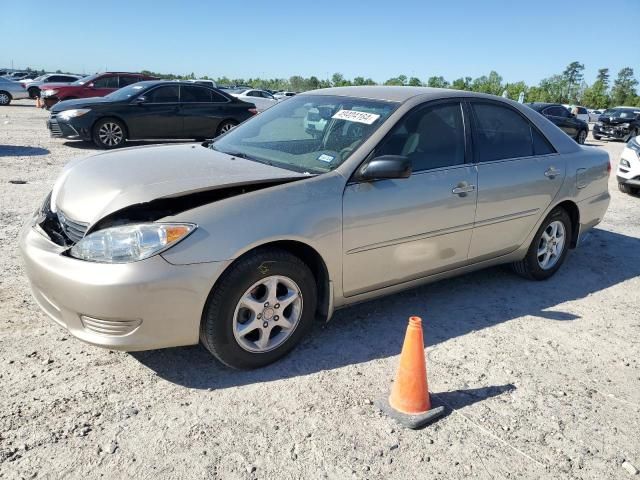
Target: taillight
{"type": "Point", "coordinates": [609, 167]}
{"type": "Point", "coordinates": [253, 111]}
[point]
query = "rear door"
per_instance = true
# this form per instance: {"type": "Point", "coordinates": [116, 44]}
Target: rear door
{"type": "Point", "coordinates": [158, 115]}
{"type": "Point", "coordinates": [519, 175]}
{"type": "Point", "coordinates": [562, 118]}
{"type": "Point", "coordinates": [395, 231]}
{"type": "Point", "coordinates": [202, 109]}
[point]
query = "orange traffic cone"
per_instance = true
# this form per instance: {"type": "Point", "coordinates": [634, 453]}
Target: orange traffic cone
{"type": "Point", "coordinates": [409, 402]}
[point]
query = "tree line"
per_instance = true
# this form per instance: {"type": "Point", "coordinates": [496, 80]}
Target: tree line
{"type": "Point", "coordinates": [567, 87]}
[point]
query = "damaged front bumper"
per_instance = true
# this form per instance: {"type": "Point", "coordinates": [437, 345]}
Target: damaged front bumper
{"type": "Point", "coordinates": [134, 306]}
{"type": "Point", "coordinates": [611, 131]}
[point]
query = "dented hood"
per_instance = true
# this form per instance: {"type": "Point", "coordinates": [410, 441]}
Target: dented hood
{"type": "Point", "coordinates": [95, 186]}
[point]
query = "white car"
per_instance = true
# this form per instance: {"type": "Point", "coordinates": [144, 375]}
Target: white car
{"type": "Point", "coordinates": [628, 174]}
{"type": "Point", "coordinates": [283, 95]}
{"type": "Point", "coordinates": [261, 99]}
{"type": "Point", "coordinates": [34, 86]}
{"type": "Point", "coordinates": [583, 113]}
{"type": "Point", "coordinates": [594, 115]}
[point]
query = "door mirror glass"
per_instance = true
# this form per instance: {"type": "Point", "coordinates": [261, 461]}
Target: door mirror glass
{"type": "Point", "coordinates": [91, 85]}
{"type": "Point", "coordinates": [140, 100]}
{"type": "Point", "coordinates": [386, 167]}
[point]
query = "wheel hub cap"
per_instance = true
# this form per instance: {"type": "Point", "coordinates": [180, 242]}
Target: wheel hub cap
{"type": "Point", "coordinates": [551, 245]}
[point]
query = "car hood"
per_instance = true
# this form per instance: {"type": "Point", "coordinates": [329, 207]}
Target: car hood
{"type": "Point", "coordinates": [92, 187]}
{"type": "Point", "coordinates": [78, 103]}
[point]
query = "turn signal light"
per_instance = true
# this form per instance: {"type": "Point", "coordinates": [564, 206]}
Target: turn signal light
{"type": "Point", "coordinates": [254, 111]}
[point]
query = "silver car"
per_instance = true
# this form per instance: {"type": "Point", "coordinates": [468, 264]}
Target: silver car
{"type": "Point", "coordinates": [10, 90]}
{"type": "Point", "coordinates": [242, 242]}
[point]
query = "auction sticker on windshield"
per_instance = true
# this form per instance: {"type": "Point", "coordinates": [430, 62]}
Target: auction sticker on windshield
{"type": "Point", "coordinates": [355, 116]}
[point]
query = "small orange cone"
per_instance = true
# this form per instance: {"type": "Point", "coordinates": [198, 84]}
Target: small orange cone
{"type": "Point", "coordinates": [409, 401]}
{"type": "Point", "coordinates": [38, 102]}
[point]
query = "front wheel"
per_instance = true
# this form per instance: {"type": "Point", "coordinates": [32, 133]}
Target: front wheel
{"type": "Point", "coordinates": [5, 98]}
{"type": "Point", "coordinates": [259, 310]}
{"type": "Point", "coordinates": [109, 133]}
{"type": "Point", "coordinates": [582, 137]}
{"type": "Point", "coordinates": [548, 248]}
{"type": "Point", "coordinates": [624, 188]}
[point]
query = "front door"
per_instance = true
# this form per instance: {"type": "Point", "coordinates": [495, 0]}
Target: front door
{"type": "Point", "coordinates": [519, 175]}
{"type": "Point", "coordinates": [395, 231]}
{"type": "Point", "coordinates": [158, 116]}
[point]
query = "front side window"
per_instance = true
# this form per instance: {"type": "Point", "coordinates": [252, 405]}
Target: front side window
{"type": "Point", "coordinates": [195, 95]}
{"type": "Point", "coordinates": [165, 94]}
{"type": "Point", "coordinates": [500, 133]}
{"type": "Point", "coordinates": [106, 82]}
{"type": "Point", "coordinates": [431, 137]}
{"type": "Point", "coordinates": [308, 133]}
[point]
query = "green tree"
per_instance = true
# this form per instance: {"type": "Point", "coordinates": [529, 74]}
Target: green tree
{"type": "Point", "coordinates": [462, 83]}
{"type": "Point", "coordinates": [573, 76]}
{"type": "Point", "coordinates": [415, 82]}
{"type": "Point", "coordinates": [596, 96]}
{"type": "Point", "coordinates": [514, 89]}
{"type": "Point", "coordinates": [624, 88]}
{"type": "Point", "coordinates": [491, 84]}
{"type": "Point", "coordinates": [437, 82]}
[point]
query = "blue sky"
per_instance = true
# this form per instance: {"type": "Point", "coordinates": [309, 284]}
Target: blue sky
{"type": "Point", "coordinates": [378, 39]}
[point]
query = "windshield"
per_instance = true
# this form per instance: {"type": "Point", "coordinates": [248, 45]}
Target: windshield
{"type": "Point", "coordinates": [127, 92]}
{"type": "Point", "coordinates": [626, 113]}
{"type": "Point", "coordinates": [308, 133]}
{"type": "Point", "coordinates": [84, 80]}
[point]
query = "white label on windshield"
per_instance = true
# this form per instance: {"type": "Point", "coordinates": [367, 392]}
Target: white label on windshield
{"type": "Point", "coordinates": [326, 158]}
{"type": "Point", "coordinates": [355, 116]}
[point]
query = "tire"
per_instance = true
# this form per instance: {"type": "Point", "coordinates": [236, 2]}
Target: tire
{"type": "Point", "coordinates": [624, 188]}
{"type": "Point", "coordinates": [5, 98]}
{"type": "Point", "coordinates": [582, 137]}
{"type": "Point", "coordinates": [34, 92]}
{"type": "Point", "coordinates": [597, 137]}
{"type": "Point", "coordinates": [530, 266]}
{"type": "Point", "coordinates": [109, 133]}
{"type": "Point", "coordinates": [225, 126]}
{"type": "Point", "coordinates": [224, 315]}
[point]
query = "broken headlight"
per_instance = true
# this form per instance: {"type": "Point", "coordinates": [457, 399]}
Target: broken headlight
{"type": "Point", "coordinates": [130, 243]}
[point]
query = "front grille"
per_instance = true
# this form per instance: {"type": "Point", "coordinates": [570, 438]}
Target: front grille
{"type": "Point", "coordinates": [73, 229]}
{"type": "Point", "coordinates": [56, 131]}
{"type": "Point", "coordinates": [109, 327]}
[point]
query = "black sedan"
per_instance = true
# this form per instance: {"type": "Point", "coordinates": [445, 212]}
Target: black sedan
{"type": "Point", "coordinates": [564, 119]}
{"type": "Point", "coordinates": [149, 110]}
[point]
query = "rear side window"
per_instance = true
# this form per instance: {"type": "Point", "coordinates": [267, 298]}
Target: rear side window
{"type": "Point", "coordinates": [106, 82]}
{"type": "Point", "coordinates": [166, 94]}
{"type": "Point", "coordinates": [431, 137]}
{"type": "Point", "coordinates": [500, 133]}
{"type": "Point", "coordinates": [126, 80]}
{"type": "Point", "coordinates": [541, 145]}
{"type": "Point", "coordinates": [195, 95]}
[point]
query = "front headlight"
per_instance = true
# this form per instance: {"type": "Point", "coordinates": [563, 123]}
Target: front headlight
{"type": "Point", "coordinates": [625, 125]}
{"type": "Point", "coordinates": [130, 243]}
{"type": "Point", "coordinates": [69, 114]}
{"type": "Point", "coordinates": [49, 93]}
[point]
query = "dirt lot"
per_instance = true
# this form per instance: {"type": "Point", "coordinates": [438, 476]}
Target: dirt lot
{"type": "Point", "coordinates": [542, 380]}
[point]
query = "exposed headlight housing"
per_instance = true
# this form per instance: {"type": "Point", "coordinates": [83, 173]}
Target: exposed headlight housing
{"type": "Point", "coordinates": [625, 125]}
{"type": "Point", "coordinates": [49, 93]}
{"type": "Point", "coordinates": [130, 243]}
{"type": "Point", "coordinates": [69, 114]}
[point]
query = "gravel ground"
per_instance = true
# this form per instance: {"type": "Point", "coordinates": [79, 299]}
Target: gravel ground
{"type": "Point", "coordinates": [542, 380]}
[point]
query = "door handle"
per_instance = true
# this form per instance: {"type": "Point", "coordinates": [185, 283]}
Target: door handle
{"type": "Point", "coordinates": [551, 173]}
{"type": "Point", "coordinates": [463, 189]}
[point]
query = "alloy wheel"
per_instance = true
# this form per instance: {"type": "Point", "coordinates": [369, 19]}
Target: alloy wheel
{"type": "Point", "coordinates": [551, 246]}
{"type": "Point", "coordinates": [226, 127]}
{"type": "Point", "coordinates": [267, 314]}
{"type": "Point", "coordinates": [582, 137]}
{"type": "Point", "coordinates": [111, 134]}
{"type": "Point", "coordinates": [4, 99]}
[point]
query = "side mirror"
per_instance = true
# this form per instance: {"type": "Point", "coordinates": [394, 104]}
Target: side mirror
{"type": "Point", "coordinates": [91, 85]}
{"type": "Point", "coordinates": [385, 167]}
{"type": "Point", "coordinates": [140, 100]}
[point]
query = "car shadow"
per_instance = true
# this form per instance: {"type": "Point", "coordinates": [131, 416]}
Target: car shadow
{"type": "Point", "coordinates": [134, 143]}
{"type": "Point", "coordinates": [20, 151]}
{"type": "Point", "coordinates": [450, 308]}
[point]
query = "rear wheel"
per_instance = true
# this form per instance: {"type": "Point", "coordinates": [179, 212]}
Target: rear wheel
{"type": "Point", "coordinates": [109, 133]}
{"type": "Point", "coordinates": [34, 92]}
{"type": "Point", "coordinates": [226, 126]}
{"type": "Point", "coordinates": [582, 137]}
{"type": "Point", "coordinates": [259, 310]}
{"type": "Point", "coordinates": [548, 248]}
{"type": "Point", "coordinates": [5, 98]}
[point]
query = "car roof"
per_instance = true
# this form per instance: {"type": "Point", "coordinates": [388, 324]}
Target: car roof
{"type": "Point", "coordinates": [398, 93]}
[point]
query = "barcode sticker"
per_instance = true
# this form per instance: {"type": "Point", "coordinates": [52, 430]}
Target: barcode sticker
{"type": "Point", "coordinates": [355, 116]}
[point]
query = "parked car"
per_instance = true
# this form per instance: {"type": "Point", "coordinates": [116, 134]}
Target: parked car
{"type": "Point", "coordinates": [565, 120]}
{"type": "Point", "coordinates": [10, 90]}
{"type": "Point", "coordinates": [594, 115]}
{"type": "Point", "coordinates": [628, 174]}
{"type": "Point", "coordinates": [43, 81]}
{"type": "Point", "coordinates": [147, 110]}
{"type": "Point", "coordinates": [260, 98]}
{"type": "Point", "coordinates": [206, 82]}
{"type": "Point", "coordinates": [621, 123]}
{"type": "Point", "coordinates": [581, 113]}
{"type": "Point", "coordinates": [97, 85]}
{"type": "Point", "coordinates": [15, 76]}
{"type": "Point", "coordinates": [241, 243]}
{"type": "Point", "coordinates": [283, 95]}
